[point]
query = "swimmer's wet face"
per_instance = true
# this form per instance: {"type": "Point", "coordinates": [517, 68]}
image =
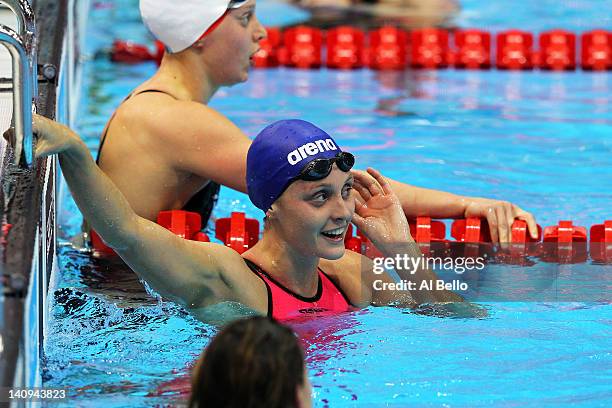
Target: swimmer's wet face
{"type": "Point", "coordinates": [313, 216]}
{"type": "Point", "coordinates": [301, 178]}
{"type": "Point", "coordinates": [228, 50]}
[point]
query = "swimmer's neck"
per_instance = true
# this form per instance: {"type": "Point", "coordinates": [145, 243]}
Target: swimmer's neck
{"type": "Point", "coordinates": [295, 271]}
{"type": "Point", "coordinates": [187, 76]}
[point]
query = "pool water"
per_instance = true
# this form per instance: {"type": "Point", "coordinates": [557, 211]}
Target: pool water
{"type": "Point", "coordinates": [541, 140]}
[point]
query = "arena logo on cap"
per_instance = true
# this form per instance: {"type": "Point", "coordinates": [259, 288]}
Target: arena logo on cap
{"type": "Point", "coordinates": [310, 149]}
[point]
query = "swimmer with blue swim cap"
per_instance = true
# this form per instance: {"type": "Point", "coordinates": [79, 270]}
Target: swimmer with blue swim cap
{"type": "Point", "coordinates": [184, 149]}
{"type": "Point", "coordinates": [298, 174]}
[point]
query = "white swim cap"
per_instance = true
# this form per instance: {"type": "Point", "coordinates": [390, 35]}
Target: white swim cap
{"type": "Point", "coordinates": [180, 23]}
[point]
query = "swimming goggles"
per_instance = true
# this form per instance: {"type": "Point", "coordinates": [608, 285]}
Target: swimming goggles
{"type": "Point", "coordinates": [320, 168]}
{"type": "Point", "coordinates": [234, 4]}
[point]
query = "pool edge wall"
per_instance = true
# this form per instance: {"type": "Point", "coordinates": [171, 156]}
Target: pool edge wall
{"type": "Point", "coordinates": [28, 258]}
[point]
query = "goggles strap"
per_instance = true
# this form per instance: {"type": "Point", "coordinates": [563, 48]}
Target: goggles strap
{"type": "Point", "coordinates": [213, 26]}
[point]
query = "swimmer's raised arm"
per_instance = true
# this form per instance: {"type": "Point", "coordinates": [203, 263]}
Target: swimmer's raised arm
{"type": "Point", "coordinates": [184, 271]}
{"type": "Point", "coordinates": [379, 214]}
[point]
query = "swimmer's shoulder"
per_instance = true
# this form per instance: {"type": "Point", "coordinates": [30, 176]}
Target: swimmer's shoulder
{"type": "Point", "coordinates": [236, 281]}
{"type": "Point", "coordinates": [171, 119]}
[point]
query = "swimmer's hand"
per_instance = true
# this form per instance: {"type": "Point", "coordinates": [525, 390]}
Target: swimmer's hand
{"type": "Point", "coordinates": [378, 211]}
{"type": "Point", "coordinates": [500, 215]}
{"type": "Point", "coordinates": [53, 137]}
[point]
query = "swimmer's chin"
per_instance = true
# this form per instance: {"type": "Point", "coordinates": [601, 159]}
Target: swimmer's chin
{"type": "Point", "coordinates": [334, 256]}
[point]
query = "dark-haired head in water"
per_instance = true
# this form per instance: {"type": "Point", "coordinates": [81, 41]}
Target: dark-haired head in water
{"type": "Point", "coordinates": [252, 363]}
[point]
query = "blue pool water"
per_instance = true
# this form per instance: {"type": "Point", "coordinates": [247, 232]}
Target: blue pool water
{"type": "Point", "coordinates": [541, 140]}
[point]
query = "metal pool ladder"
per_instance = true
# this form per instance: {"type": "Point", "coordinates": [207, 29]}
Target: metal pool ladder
{"type": "Point", "coordinates": [22, 47]}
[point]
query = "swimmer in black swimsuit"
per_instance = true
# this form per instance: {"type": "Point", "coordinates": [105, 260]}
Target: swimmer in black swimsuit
{"type": "Point", "coordinates": [164, 144]}
{"type": "Point", "coordinates": [203, 201]}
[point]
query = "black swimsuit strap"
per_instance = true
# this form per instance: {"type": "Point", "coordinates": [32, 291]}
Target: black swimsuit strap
{"type": "Point", "coordinates": [257, 271]}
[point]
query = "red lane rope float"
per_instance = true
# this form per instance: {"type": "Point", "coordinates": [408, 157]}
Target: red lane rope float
{"type": "Point", "coordinates": [601, 242]}
{"type": "Point", "coordinates": [387, 49]}
{"type": "Point", "coordinates": [345, 48]}
{"type": "Point", "coordinates": [237, 231]}
{"type": "Point", "coordinates": [473, 50]}
{"type": "Point", "coordinates": [185, 224]}
{"type": "Point", "coordinates": [130, 52]}
{"type": "Point", "coordinates": [557, 50]}
{"type": "Point", "coordinates": [571, 243]}
{"type": "Point", "coordinates": [514, 50]}
{"type": "Point", "coordinates": [429, 48]}
{"type": "Point", "coordinates": [391, 48]}
{"type": "Point", "coordinates": [562, 243]}
{"type": "Point", "coordinates": [596, 50]}
{"type": "Point", "coordinates": [301, 47]}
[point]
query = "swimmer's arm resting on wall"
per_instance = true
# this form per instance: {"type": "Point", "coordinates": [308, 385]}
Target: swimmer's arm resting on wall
{"type": "Point", "coordinates": [419, 201]}
{"type": "Point", "coordinates": [185, 271]}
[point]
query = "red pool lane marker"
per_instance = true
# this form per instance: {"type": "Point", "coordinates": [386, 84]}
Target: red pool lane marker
{"type": "Point", "coordinates": [429, 48]}
{"type": "Point", "coordinates": [6, 228]}
{"type": "Point", "coordinates": [237, 232]}
{"type": "Point", "coordinates": [345, 48]}
{"type": "Point", "coordinates": [130, 53]}
{"type": "Point", "coordinates": [352, 242]}
{"type": "Point", "coordinates": [596, 50]}
{"type": "Point", "coordinates": [387, 50]}
{"type": "Point", "coordinates": [184, 224]}
{"type": "Point", "coordinates": [392, 48]}
{"type": "Point", "coordinates": [565, 232]}
{"type": "Point", "coordinates": [601, 242]}
{"type": "Point", "coordinates": [470, 230]}
{"type": "Point", "coordinates": [241, 233]}
{"type": "Point", "coordinates": [200, 236]}
{"type": "Point", "coordinates": [557, 50]}
{"type": "Point", "coordinates": [473, 50]}
{"type": "Point", "coordinates": [514, 50]}
{"type": "Point", "coordinates": [360, 243]}
{"type": "Point", "coordinates": [99, 246]}
{"type": "Point", "coordinates": [520, 232]}
{"type": "Point", "coordinates": [302, 47]}
{"type": "Point", "coordinates": [424, 230]}
{"type": "Point", "coordinates": [571, 243]}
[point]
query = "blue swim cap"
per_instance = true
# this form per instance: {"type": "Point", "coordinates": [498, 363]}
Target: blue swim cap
{"type": "Point", "coordinates": [278, 155]}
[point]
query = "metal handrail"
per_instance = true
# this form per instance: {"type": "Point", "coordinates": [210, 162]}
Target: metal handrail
{"type": "Point", "coordinates": [22, 93]}
{"type": "Point", "coordinates": [26, 27]}
{"type": "Point", "coordinates": [25, 17]}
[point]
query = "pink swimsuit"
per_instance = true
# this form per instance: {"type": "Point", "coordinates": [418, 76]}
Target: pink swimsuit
{"type": "Point", "coordinates": [283, 304]}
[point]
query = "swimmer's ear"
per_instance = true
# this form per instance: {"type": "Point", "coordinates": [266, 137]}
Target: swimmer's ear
{"type": "Point", "coordinates": [198, 45]}
{"type": "Point", "coordinates": [269, 214]}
